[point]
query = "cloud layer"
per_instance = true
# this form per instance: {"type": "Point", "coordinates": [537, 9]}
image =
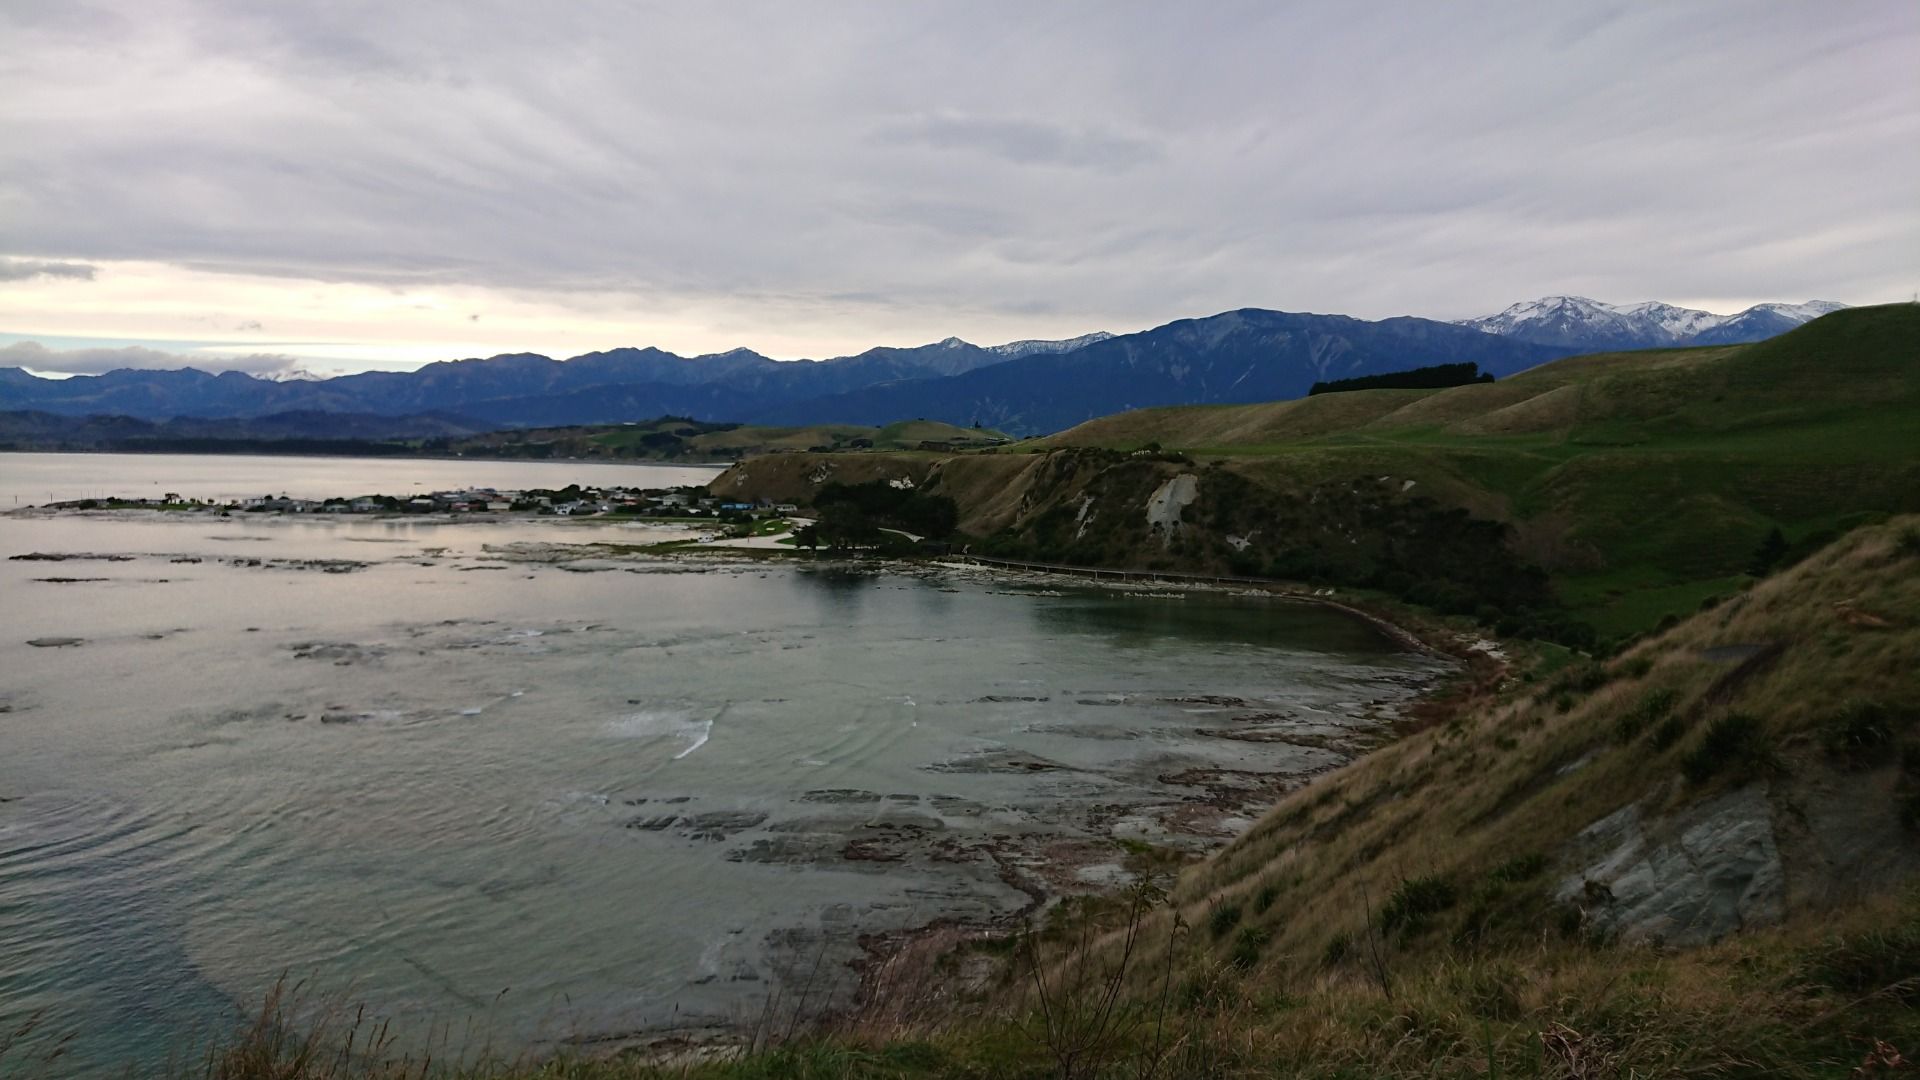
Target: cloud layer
{"type": "Point", "coordinates": [29, 269]}
{"type": "Point", "coordinates": [98, 361]}
{"type": "Point", "coordinates": [860, 172]}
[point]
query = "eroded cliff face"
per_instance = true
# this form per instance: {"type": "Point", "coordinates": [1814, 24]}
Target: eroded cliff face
{"type": "Point", "coordinates": [993, 492]}
{"type": "Point", "coordinates": [1155, 511]}
{"type": "Point", "coordinates": [796, 478]}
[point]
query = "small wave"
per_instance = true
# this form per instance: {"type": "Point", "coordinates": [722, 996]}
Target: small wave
{"type": "Point", "coordinates": [664, 723]}
{"type": "Point", "coordinates": [650, 722]}
{"type": "Point", "coordinates": [706, 733]}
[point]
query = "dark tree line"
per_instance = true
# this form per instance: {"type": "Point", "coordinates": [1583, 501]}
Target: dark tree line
{"type": "Point", "coordinates": [854, 515]}
{"type": "Point", "coordinates": [1436, 377]}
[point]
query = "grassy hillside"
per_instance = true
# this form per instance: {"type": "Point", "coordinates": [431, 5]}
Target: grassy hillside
{"type": "Point", "coordinates": [1640, 484]}
{"type": "Point", "coordinates": [1643, 482]}
{"type": "Point", "coordinates": [1460, 901]}
{"type": "Point", "coordinates": [680, 439]}
{"type": "Point", "coordinates": [1694, 861]}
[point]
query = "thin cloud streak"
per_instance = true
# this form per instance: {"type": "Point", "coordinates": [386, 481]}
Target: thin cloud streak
{"type": "Point", "coordinates": [28, 269]}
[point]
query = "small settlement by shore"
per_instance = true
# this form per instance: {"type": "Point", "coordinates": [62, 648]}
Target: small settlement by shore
{"type": "Point", "coordinates": [570, 501]}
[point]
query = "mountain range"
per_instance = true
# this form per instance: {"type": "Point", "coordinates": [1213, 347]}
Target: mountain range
{"type": "Point", "coordinates": [1024, 387]}
{"type": "Point", "coordinates": [1593, 326]}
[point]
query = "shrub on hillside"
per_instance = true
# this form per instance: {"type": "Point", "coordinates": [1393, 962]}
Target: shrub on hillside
{"type": "Point", "coordinates": [1339, 947]}
{"type": "Point", "coordinates": [1224, 918]}
{"type": "Point", "coordinates": [1653, 707]}
{"type": "Point", "coordinates": [1415, 901]}
{"type": "Point", "coordinates": [1862, 730]}
{"type": "Point", "coordinates": [1519, 868]}
{"type": "Point", "coordinates": [1731, 739]}
{"type": "Point", "coordinates": [1636, 668]}
{"type": "Point", "coordinates": [1668, 732]}
{"type": "Point", "coordinates": [1768, 555]}
{"type": "Point", "coordinates": [1881, 961]}
{"type": "Point", "coordinates": [1505, 899]}
{"type": "Point", "coordinates": [1907, 794]}
{"type": "Point", "coordinates": [1247, 945]}
{"type": "Point", "coordinates": [1571, 684]}
{"type": "Point", "coordinates": [903, 508]}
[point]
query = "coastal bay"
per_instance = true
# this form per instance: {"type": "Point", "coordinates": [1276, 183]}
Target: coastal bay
{"type": "Point", "coordinates": [496, 769]}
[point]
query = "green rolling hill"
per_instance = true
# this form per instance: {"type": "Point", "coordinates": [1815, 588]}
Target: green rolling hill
{"type": "Point", "coordinates": [680, 439]}
{"type": "Point", "coordinates": [1644, 481]}
{"type": "Point", "coordinates": [1640, 483]}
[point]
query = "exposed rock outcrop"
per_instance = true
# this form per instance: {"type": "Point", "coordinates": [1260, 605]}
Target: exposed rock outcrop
{"type": "Point", "coordinates": [1688, 879]}
{"type": "Point", "coordinates": [1166, 503]}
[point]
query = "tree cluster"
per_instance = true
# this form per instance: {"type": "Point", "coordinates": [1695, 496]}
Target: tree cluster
{"type": "Point", "coordinates": [1436, 377]}
{"type": "Point", "coordinates": [883, 505]}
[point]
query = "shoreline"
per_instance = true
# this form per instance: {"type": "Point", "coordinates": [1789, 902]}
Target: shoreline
{"type": "Point", "coordinates": [891, 963]}
{"type": "Point", "coordinates": [895, 976]}
{"type": "Point", "coordinates": [672, 463]}
{"type": "Point", "coordinates": [893, 980]}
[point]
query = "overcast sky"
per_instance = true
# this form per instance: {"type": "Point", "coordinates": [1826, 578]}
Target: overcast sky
{"type": "Point", "coordinates": [350, 184]}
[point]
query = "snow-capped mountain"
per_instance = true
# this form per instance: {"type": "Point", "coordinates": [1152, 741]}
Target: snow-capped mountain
{"type": "Point", "coordinates": [1806, 312]}
{"type": "Point", "coordinates": [1579, 322]}
{"type": "Point", "coordinates": [1681, 323]}
{"type": "Point", "coordinates": [1031, 347]}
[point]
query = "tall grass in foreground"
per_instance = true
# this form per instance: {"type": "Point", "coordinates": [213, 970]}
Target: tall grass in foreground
{"type": "Point", "coordinates": [1840, 998]}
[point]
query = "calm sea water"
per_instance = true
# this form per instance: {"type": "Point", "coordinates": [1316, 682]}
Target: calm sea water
{"type": "Point", "coordinates": [38, 479]}
{"type": "Point", "coordinates": [477, 773]}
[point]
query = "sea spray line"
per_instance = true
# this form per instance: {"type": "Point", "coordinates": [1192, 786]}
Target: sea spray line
{"type": "Point", "coordinates": [706, 732]}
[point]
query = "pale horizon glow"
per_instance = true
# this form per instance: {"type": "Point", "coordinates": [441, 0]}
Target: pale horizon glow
{"type": "Point", "coordinates": [338, 187]}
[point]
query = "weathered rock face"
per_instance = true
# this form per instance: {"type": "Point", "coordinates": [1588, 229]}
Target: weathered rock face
{"type": "Point", "coordinates": [1166, 502]}
{"type": "Point", "coordinates": [1688, 879]}
{"type": "Point", "coordinates": [1091, 506]}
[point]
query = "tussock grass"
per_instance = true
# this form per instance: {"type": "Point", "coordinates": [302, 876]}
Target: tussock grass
{"type": "Point", "coordinates": [1794, 1003]}
{"type": "Point", "coordinates": [1653, 707]}
{"type": "Point", "coordinates": [1732, 740]}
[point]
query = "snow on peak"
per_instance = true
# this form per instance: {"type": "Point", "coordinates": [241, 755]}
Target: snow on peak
{"type": "Point", "coordinates": [1035, 345]}
{"type": "Point", "coordinates": [1804, 312]}
{"type": "Point", "coordinates": [1680, 322]}
{"type": "Point", "coordinates": [1580, 321]}
{"type": "Point", "coordinates": [1549, 304]}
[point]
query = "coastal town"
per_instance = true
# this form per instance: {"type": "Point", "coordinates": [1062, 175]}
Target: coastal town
{"type": "Point", "coordinates": [872, 518]}
{"type": "Point", "coordinates": [570, 501]}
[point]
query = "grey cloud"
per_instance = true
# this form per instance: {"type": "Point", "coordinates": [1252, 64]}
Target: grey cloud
{"type": "Point", "coordinates": [96, 361]}
{"type": "Point", "coordinates": [1117, 165]}
{"type": "Point", "coordinates": [1024, 142]}
{"type": "Point", "coordinates": [61, 16]}
{"type": "Point", "coordinates": [28, 269]}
